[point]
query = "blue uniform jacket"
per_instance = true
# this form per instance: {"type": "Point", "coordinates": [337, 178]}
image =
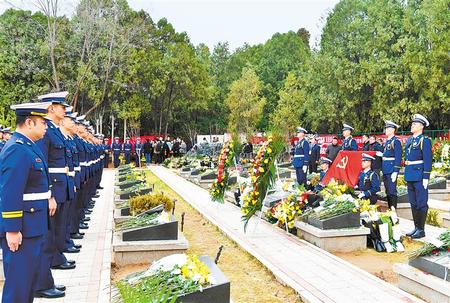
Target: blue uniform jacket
{"type": "Point", "coordinates": [127, 148]}
{"type": "Point", "coordinates": [23, 171]}
{"type": "Point", "coordinates": [116, 148]}
{"type": "Point", "coordinates": [369, 183]}
{"type": "Point", "coordinates": [392, 156]}
{"type": "Point", "coordinates": [138, 148]}
{"type": "Point", "coordinates": [81, 157]}
{"type": "Point", "coordinates": [349, 144]}
{"type": "Point", "coordinates": [301, 154]}
{"type": "Point", "coordinates": [76, 162]}
{"type": "Point", "coordinates": [53, 147]}
{"type": "Point", "coordinates": [418, 158]}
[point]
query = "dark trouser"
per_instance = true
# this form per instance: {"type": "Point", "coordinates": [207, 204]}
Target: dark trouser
{"type": "Point", "coordinates": [106, 161]}
{"type": "Point", "coordinates": [72, 216]}
{"type": "Point", "coordinates": [148, 158]}
{"type": "Point", "coordinates": [312, 167]}
{"type": "Point", "coordinates": [21, 270]}
{"type": "Point", "coordinates": [391, 190]}
{"type": "Point", "coordinates": [138, 160]}
{"type": "Point", "coordinates": [127, 158]}
{"type": "Point", "coordinates": [116, 160]}
{"type": "Point", "coordinates": [301, 176]}
{"type": "Point", "coordinates": [62, 221]}
{"type": "Point", "coordinates": [50, 256]}
{"type": "Point", "coordinates": [418, 196]}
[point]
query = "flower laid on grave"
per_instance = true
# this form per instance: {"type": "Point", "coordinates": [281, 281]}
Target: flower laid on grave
{"type": "Point", "coordinates": [441, 244]}
{"type": "Point", "coordinates": [314, 179]}
{"type": "Point", "coordinates": [144, 220]}
{"type": "Point", "coordinates": [334, 188]}
{"type": "Point", "coordinates": [289, 209]}
{"type": "Point", "coordinates": [166, 279]}
{"type": "Point", "coordinates": [225, 160]}
{"type": "Point", "coordinates": [335, 205]}
{"type": "Point", "coordinates": [262, 174]}
{"type": "Point", "coordinates": [140, 204]}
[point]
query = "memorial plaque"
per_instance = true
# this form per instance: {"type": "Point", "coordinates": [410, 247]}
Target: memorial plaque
{"type": "Point", "coordinates": [165, 231]}
{"type": "Point", "coordinates": [349, 220]}
{"type": "Point", "coordinates": [436, 265]}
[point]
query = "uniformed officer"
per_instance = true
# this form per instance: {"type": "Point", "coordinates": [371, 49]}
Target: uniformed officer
{"type": "Point", "coordinates": [301, 156]}
{"type": "Point", "coordinates": [138, 151]}
{"type": "Point", "coordinates": [67, 126]}
{"type": "Point", "coordinates": [126, 148]}
{"type": "Point", "coordinates": [116, 148]}
{"type": "Point", "coordinates": [392, 160]}
{"type": "Point", "coordinates": [57, 154]}
{"type": "Point", "coordinates": [418, 161]}
{"type": "Point", "coordinates": [107, 150]}
{"type": "Point", "coordinates": [324, 166]}
{"type": "Point", "coordinates": [24, 195]}
{"type": "Point", "coordinates": [368, 181]}
{"type": "Point", "coordinates": [349, 143]}
{"type": "Point", "coordinates": [6, 134]}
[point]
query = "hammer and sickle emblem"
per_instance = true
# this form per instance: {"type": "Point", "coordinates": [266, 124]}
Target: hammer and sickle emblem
{"type": "Point", "coordinates": [343, 162]}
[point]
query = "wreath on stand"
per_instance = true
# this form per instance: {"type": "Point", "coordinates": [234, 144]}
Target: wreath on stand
{"type": "Point", "coordinates": [220, 185]}
{"type": "Point", "coordinates": [263, 175]}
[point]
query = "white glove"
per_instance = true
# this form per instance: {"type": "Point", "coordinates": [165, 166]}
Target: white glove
{"type": "Point", "coordinates": [361, 195]}
{"type": "Point", "coordinates": [305, 168]}
{"type": "Point", "coordinates": [425, 183]}
{"type": "Point", "coordinates": [394, 177]}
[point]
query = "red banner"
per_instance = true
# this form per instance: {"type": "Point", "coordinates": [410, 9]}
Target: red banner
{"type": "Point", "coordinates": [346, 167]}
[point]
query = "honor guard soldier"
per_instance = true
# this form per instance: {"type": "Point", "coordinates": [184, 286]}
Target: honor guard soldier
{"type": "Point", "coordinates": [418, 161]}
{"type": "Point", "coordinates": [368, 181]}
{"type": "Point", "coordinates": [301, 156]}
{"type": "Point", "coordinates": [324, 166]}
{"type": "Point", "coordinates": [58, 156]}
{"type": "Point", "coordinates": [116, 148]}
{"type": "Point", "coordinates": [349, 143]}
{"type": "Point", "coordinates": [126, 148]}
{"type": "Point", "coordinates": [138, 151]}
{"type": "Point", "coordinates": [392, 161]}
{"type": "Point", "coordinates": [24, 206]}
{"type": "Point", "coordinates": [5, 135]}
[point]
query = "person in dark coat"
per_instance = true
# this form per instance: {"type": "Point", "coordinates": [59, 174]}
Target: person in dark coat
{"type": "Point", "coordinates": [148, 147]}
{"type": "Point", "coordinates": [333, 149]}
{"type": "Point", "coordinates": [375, 146]}
{"type": "Point", "coordinates": [314, 155]}
{"type": "Point", "coordinates": [366, 143]}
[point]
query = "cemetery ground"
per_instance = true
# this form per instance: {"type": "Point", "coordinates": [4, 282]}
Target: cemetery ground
{"type": "Point", "coordinates": [249, 278]}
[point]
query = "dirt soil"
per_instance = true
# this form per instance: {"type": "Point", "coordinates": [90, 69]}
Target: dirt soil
{"type": "Point", "coordinates": [380, 264]}
{"type": "Point", "coordinates": [249, 278]}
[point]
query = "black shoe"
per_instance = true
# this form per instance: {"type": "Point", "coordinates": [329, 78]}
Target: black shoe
{"type": "Point", "coordinates": [72, 250]}
{"type": "Point", "coordinates": [421, 219]}
{"type": "Point", "coordinates": [51, 293]}
{"type": "Point", "coordinates": [420, 233]}
{"type": "Point", "coordinates": [81, 233]}
{"type": "Point", "coordinates": [59, 287]}
{"type": "Point", "coordinates": [71, 261]}
{"type": "Point", "coordinates": [86, 219]}
{"type": "Point", "coordinates": [78, 246]}
{"type": "Point", "coordinates": [77, 236]}
{"type": "Point", "coordinates": [90, 208]}
{"type": "Point", "coordinates": [96, 196]}
{"type": "Point", "coordinates": [414, 215]}
{"type": "Point", "coordinates": [87, 212]}
{"type": "Point", "coordinates": [83, 226]}
{"type": "Point", "coordinates": [64, 266]}
{"type": "Point", "coordinates": [100, 187]}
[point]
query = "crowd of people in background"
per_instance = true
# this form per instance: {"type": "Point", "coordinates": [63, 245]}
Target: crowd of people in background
{"type": "Point", "coordinates": [148, 151]}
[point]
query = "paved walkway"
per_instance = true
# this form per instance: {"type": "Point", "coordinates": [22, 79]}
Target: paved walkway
{"type": "Point", "coordinates": [90, 280]}
{"type": "Point", "coordinates": [316, 275]}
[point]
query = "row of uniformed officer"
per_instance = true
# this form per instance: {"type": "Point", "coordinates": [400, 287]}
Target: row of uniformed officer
{"type": "Point", "coordinates": [71, 159]}
{"type": "Point", "coordinates": [126, 149]}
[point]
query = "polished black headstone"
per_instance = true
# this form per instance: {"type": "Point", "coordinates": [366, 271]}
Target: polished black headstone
{"type": "Point", "coordinates": [348, 220]}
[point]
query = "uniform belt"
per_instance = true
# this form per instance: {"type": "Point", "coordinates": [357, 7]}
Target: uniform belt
{"type": "Point", "coordinates": [83, 163]}
{"type": "Point", "coordinates": [116, 149]}
{"type": "Point", "coordinates": [78, 168]}
{"type": "Point", "coordinates": [37, 196]}
{"type": "Point", "coordinates": [388, 158]}
{"type": "Point", "coordinates": [413, 162]}
{"type": "Point", "coordinates": [299, 156]}
{"type": "Point", "coordinates": [58, 170]}
{"type": "Point", "coordinates": [71, 174]}
{"type": "Point", "coordinates": [102, 156]}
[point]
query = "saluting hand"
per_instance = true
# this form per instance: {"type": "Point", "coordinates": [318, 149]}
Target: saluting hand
{"type": "Point", "coordinates": [52, 206]}
{"type": "Point", "coordinates": [14, 240]}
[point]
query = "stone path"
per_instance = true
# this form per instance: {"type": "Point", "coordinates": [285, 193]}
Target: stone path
{"type": "Point", "coordinates": [90, 280]}
{"type": "Point", "coordinates": [315, 274]}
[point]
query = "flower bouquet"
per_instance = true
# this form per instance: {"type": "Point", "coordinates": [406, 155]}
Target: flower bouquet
{"type": "Point", "coordinates": [178, 278]}
{"type": "Point", "coordinates": [286, 212]}
{"type": "Point", "coordinates": [262, 174]}
{"type": "Point", "coordinates": [218, 187]}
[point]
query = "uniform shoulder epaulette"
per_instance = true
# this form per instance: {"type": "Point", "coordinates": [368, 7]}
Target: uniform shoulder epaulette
{"type": "Point", "coordinates": [20, 141]}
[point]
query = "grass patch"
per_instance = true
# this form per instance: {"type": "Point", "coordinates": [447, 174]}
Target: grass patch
{"type": "Point", "coordinates": [250, 280]}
